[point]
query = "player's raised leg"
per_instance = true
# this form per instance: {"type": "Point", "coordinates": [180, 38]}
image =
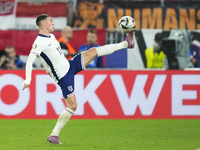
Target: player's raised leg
{"type": "Point", "coordinates": [108, 49]}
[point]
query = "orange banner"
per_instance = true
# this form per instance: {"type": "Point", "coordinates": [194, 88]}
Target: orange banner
{"type": "Point", "coordinates": [147, 14]}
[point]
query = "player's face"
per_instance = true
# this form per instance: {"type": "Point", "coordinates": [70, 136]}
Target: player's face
{"type": "Point", "coordinates": [49, 24]}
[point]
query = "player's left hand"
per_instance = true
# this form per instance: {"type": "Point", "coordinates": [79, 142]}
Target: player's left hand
{"type": "Point", "coordinates": [25, 86]}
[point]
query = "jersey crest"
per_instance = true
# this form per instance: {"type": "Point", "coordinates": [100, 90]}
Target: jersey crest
{"type": "Point", "coordinates": [34, 46]}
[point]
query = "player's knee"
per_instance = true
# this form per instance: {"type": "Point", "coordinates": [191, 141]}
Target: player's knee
{"type": "Point", "coordinates": [94, 51]}
{"type": "Point", "coordinates": [71, 104]}
{"type": "Point", "coordinates": [74, 107]}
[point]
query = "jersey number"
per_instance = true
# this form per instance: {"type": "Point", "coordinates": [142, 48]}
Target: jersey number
{"type": "Point", "coordinates": [59, 50]}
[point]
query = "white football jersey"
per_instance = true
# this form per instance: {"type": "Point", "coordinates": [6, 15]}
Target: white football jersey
{"type": "Point", "coordinates": [50, 52]}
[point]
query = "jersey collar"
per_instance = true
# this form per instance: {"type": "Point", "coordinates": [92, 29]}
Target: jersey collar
{"type": "Point", "coordinates": [44, 35]}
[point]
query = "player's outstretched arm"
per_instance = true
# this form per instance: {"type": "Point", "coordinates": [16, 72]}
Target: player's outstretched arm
{"type": "Point", "coordinates": [29, 66]}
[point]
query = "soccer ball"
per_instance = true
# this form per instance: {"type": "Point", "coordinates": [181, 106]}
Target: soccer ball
{"type": "Point", "coordinates": [126, 24]}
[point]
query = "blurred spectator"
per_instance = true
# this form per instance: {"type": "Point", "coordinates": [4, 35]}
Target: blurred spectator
{"type": "Point", "coordinates": [3, 56]}
{"type": "Point", "coordinates": [97, 62]}
{"type": "Point", "coordinates": [194, 54]}
{"type": "Point", "coordinates": [154, 55]}
{"type": "Point", "coordinates": [9, 59]}
{"type": "Point", "coordinates": [66, 36]}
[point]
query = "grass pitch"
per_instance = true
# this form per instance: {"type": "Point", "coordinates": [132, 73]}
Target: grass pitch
{"type": "Point", "coordinates": [102, 135]}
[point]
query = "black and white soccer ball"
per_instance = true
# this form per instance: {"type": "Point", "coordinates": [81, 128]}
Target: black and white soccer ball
{"type": "Point", "coordinates": [126, 24]}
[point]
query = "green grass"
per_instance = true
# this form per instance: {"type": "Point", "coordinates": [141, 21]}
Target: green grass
{"type": "Point", "coordinates": [102, 135]}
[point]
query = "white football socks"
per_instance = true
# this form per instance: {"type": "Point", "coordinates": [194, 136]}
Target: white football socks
{"type": "Point", "coordinates": [110, 48]}
{"type": "Point", "coordinates": [62, 120]}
